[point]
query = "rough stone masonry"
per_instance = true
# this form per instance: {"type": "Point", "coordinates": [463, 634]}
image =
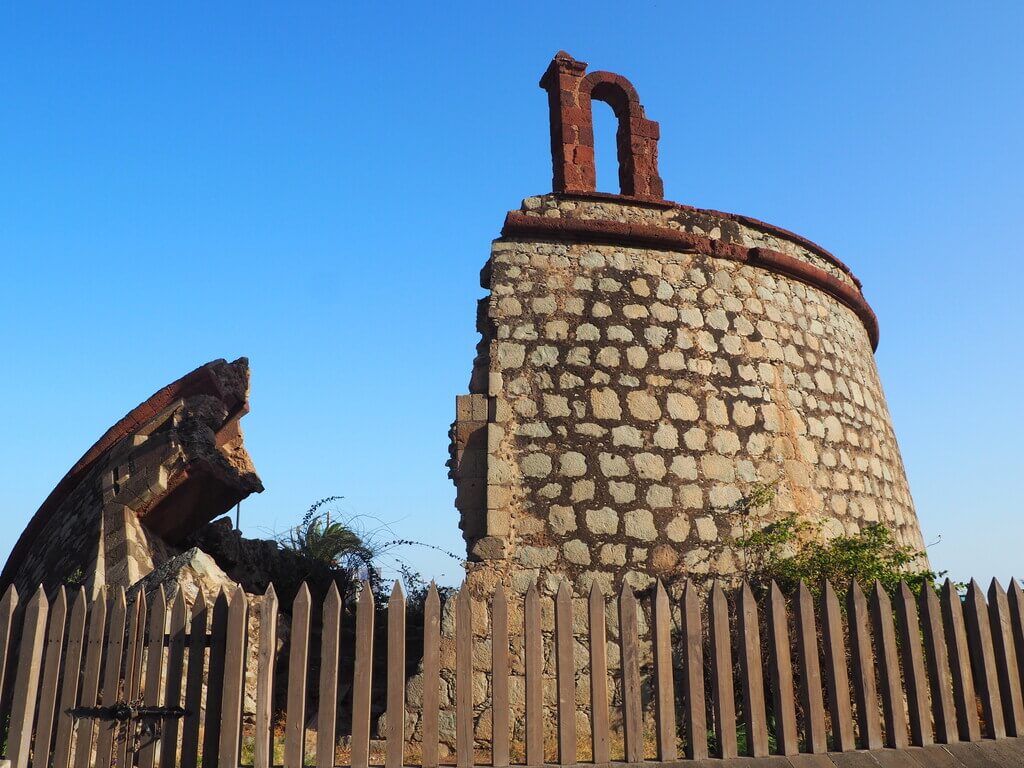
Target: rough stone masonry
{"type": "Point", "coordinates": [644, 365]}
{"type": "Point", "coordinates": [172, 464]}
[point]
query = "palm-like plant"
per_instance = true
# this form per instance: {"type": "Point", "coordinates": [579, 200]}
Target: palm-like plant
{"type": "Point", "coordinates": [332, 546]}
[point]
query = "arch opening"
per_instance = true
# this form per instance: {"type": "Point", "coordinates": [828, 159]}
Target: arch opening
{"type": "Point", "coordinates": [571, 94]}
{"type": "Point", "coordinates": [607, 163]}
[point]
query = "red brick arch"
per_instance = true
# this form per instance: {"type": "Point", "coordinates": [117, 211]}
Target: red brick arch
{"type": "Point", "coordinates": [570, 93]}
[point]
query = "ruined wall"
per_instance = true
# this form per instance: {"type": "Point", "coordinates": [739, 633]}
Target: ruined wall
{"type": "Point", "coordinates": [168, 467]}
{"type": "Point", "coordinates": [643, 366]}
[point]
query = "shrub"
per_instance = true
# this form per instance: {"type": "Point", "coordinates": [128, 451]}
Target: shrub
{"type": "Point", "coordinates": [793, 550]}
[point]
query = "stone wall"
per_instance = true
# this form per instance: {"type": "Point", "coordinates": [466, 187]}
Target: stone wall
{"type": "Point", "coordinates": [635, 394]}
{"type": "Point", "coordinates": [168, 467]}
{"type": "Point", "coordinates": [644, 366]}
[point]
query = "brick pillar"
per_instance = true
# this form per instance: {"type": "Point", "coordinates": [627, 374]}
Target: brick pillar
{"type": "Point", "coordinates": [570, 93]}
{"type": "Point", "coordinates": [572, 130]}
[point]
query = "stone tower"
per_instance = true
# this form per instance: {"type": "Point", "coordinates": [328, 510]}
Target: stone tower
{"type": "Point", "coordinates": [643, 365]}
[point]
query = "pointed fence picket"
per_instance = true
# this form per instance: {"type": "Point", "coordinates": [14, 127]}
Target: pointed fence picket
{"type": "Point", "coordinates": [865, 693]}
{"type": "Point", "coordinates": [836, 676]}
{"type": "Point", "coordinates": [214, 701]}
{"type": "Point", "coordinates": [431, 675]}
{"type": "Point", "coordinates": [464, 757]}
{"type": "Point", "coordinates": [154, 670]}
{"type": "Point", "coordinates": [598, 676]}
{"type": "Point", "coordinates": [330, 643]}
{"type": "Point", "coordinates": [8, 633]}
{"type": "Point", "coordinates": [534, 659]}
{"type": "Point", "coordinates": [960, 664]}
{"type": "Point", "coordinates": [263, 747]}
{"type": "Point", "coordinates": [298, 674]}
{"type": "Point", "coordinates": [26, 681]}
{"type": "Point", "coordinates": [91, 680]}
{"type": "Point", "coordinates": [234, 679]}
{"type": "Point", "coordinates": [174, 681]}
{"type": "Point", "coordinates": [71, 679]}
{"type": "Point", "coordinates": [194, 682]}
{"type": "Point", "coordinates": [43, 742]}
{"type": "Point", "coordinates": [362, 681]}
{"type": "Point", "coordinates": [783, 700]}
{"type": "Point", "coordinates": [396, 680]}
{"type": "Point", "coordinates": [693, 665]}
{"type": "Point", "coordinates": [131, 675]}
{"type": "Point", "coordinates": [811, 695]}
{"type": "Point", "coordinates": [665, 705]}
{"type": "Point", "coordinates": [1006, 662]}
{"type": "Point", "coordinates": [919, 664]}
{"type": "Point", "coordinates": [112, 667]}
{"type": "Point", "coordinates": [943, 709]}
{"type": "Point", "coordinates": [629, 642]}
{"type": "Point", "coordinates": [500, 746]}
{"type": "Point", "coordinates": [751, 674]}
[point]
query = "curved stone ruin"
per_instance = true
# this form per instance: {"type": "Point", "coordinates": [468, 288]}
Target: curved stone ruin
{"type": "Point", "coordinates": [170, 466]}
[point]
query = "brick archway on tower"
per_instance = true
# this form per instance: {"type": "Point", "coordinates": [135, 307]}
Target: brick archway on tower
{"type": "Point", "coordinates": [570, 93]}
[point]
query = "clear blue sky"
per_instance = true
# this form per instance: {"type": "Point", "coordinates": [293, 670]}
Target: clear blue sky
{"type": "Point", "coordinates": [316, 185]}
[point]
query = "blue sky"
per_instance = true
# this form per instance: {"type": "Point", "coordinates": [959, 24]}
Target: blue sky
{"type": "Point", "coordinates": [316, 185]}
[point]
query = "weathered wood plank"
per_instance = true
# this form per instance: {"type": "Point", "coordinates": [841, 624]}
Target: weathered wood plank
{"type": "Point", "coordinates": [396, 679]}
{"type": "Point", "coordinates": [695, 715]}
{"type": "Point", "coordinates": [811, 695]}
{"type": "Point", "coordinates": [174, 680]}
{"type": "Point", "coordinates": [91, 679]}
{"type": "Point", "coordinates": [298, 671]}
{"type": "Point", "coordinates": [215, 679]}
{"type": "Point", "coordinates": [865, 691]}
{"type": "Point", "coordinates": [565, 672]}
{"type": "Point", "coordinates": [71, 679]}
{"type": "Point", "coordinates": [194, 682]}
{"type": "Point", "coordinates": [534, 655]}
{"type": "Point", "coordinates": [964, 696]}
{"type": "Point", "coordinates": [112, 676]}
{"type": "Point", "coordinates": [499, 679]}
{"type": "Point", "coordinates": [8, 616]}
{"type": "Point", "coordinates": [464, 678]}
{"type": "Point", "coordinates": [979, 640]}
{"type": "Point", "coordinates": [723, 696]}
{"type": "Point", "coordinates": [362, 679]}
{"type": "Point", "coordinates": [1015, 602]}
{"type": "Point", "coordinates": [664, 685]}
{"type": "Point", "coordinates": [913, 668]}
{"type": "Point", "coordinates": [136, 646]}
{"type": "Point", "coordinates": [755, 716]}
{"type": "Point", "coordinates": [893, 708]}
{"type": "Point", "coordinates": [598, 675]}
{"type": "Point", "coordinates": [629, 642]}
{"type": "Point", "coordinates": [1007, 667]}
{"type": "Point", "coordinates": [943, 709]}
{"type": "Point", "coordinates": [837, 678]}
{"type": "Point", "coordinates": [327, 713]}
{"type": "Point", "coordinates": [46, 719]}
{"type": "Point", "coordinates": [431, 675]}
{"type": "Point", "coordinates": [132, 683]}
{"type": "Point", "coordinates": [780, 660]}
{"type": "Point", "coordinates": [234, 679]}
{"type": "Point", "coordinates": [154, 672]}
{"type": "Point", "coordinates": [266, 661]}
{"type": "Point", "coordinates": [26, 680]}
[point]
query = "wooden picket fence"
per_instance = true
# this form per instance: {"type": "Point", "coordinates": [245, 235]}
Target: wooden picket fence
{"type": "Point", "coordinates": [938, 668]}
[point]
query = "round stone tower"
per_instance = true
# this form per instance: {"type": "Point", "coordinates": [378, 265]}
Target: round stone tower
{"type": "Point", "coordinates": [645, 365]}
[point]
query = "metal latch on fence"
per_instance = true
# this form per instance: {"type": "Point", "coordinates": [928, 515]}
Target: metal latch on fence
{"type": "Point", "coordinates": [123, 711]}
